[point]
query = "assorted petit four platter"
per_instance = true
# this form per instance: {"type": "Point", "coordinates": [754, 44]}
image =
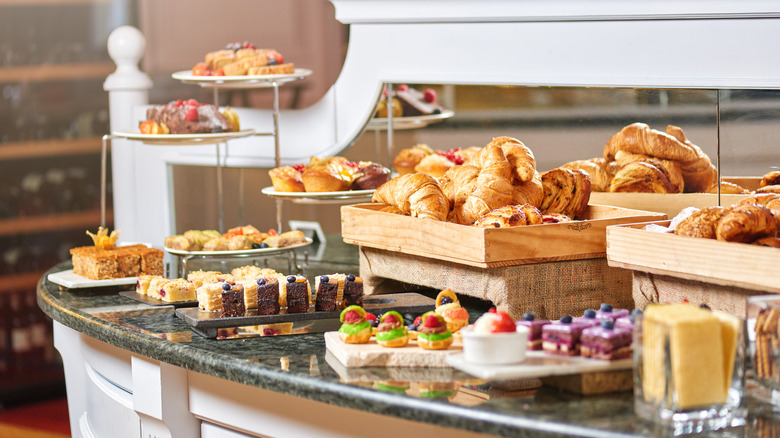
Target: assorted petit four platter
{"type": "Point", "coordinates": [184, 139]}
{"type": "Point", "coordinates": [371, 354]}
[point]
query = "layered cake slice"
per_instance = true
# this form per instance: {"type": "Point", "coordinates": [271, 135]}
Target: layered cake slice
{"type": "Point", "coordinates": [268, 295]}
{"type": "Point", "coordinates": [329, 292]}
{"type": "Point", "coordinates": [250, 293]}
{"type": "Point", "coordinates": [177, 290]}
{"type": "Point", "coordinates": [353, 291]}
{"type": "Point", "coordinates": [588, 317]}
{"type": "Point", "coordinates": [606, 311]}
{"type": "Point", "coordinates": [298, 294]}
{"type": "Point", "coordinates": [233, 300]}
{"type": "Point", "coordinates": [563, 337]}
{"type": "Point", "coordinates": [210, 297]}
{"type": "Point", "coordinates": [142, 285]}
{"type": "Point", "coordinates": [535, 325]}
{"type": "Point", "coordinates": [606, 341]}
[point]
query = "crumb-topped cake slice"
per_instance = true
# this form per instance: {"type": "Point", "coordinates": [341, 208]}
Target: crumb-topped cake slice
{"type": "Point", "coordinates": [177, 290]}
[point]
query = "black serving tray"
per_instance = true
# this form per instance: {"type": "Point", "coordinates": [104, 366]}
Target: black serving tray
{"type": "Point", "coordinates": [146, 299]}
{"type": "Point", "coordinates": [208, 324]}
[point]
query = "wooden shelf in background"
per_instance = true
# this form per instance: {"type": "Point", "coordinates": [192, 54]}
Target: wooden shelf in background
{"type": "Point", "coordinates": [23, 281]}
{"type": "Point", "coordinates": [53, 222]}
{"type": "Point", "coordinates": [55, 72]}
{"type": "Point", "coordinates": [49, 148]}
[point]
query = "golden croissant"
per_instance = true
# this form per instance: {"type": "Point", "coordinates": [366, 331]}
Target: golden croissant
{"type": "Point", "coordinates": [746, 223]}
{"type": "Point", "coordinates": [414, 194]}
{"type": "Point", "coordinates": [520, 157]}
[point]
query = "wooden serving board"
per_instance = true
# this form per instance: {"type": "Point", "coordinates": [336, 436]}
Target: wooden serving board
{"type": "Point", "coordinates": [706, 260]}
{"type": "Point", "coordinates": [375, 355]}
{"type": "Point", "coordinates": [364, 225]}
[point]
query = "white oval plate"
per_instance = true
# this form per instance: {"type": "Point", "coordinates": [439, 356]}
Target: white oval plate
{"type": "Point", "coordinates": [184, 139]}
{"type": "Point", "coordinates": [319, 196]}
{"type": "Point", "coordinates": [411, 122]}
{"type": "Point", "coordinates": [241, 252]}
{"type": "Point", "coordinates": [246, 81]}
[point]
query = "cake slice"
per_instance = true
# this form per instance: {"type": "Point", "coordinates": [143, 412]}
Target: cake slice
{"type": "Point", "coordinates": [329, 292]}
{"type": "Point", "coordinates": [563, 337]}
{"type": "Point", "coordinates": [268, 295]}
{"type": "Point", "coordinates": [353, 291]}
{"type": "Point", "coordinates": [156, 287]}
{"type": "Point", "coordinates": [142, 285]}
{"type": "Point", "coordinates": [606, 311]}
{"type": "Point", "coordinates": [606, 341]}
{"type": "Point", "coordinates": [233, 300]}
{"type": "Point", "coordinates": [298, 292]}
{"type": "Point", "coordinates": [210, 297]}
{"type": "Point", "coordinates": [535, 326]}
{"type": "Point", "coordinates": [177, 290]}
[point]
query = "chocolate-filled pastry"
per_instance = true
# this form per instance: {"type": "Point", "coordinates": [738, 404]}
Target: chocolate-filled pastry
{"type": "Point", "coordinates": [771, 179]}
{"type": "Point", "coordinates": [566, 191]}
{"type": "Point", "coordinates": [746, 223]}
{"type": "Point", "coordinates": [701, 223]}
{"type": "Point", "coordinates": [643, 176]}
{"type": "Point", "coordinates": [374, 175]}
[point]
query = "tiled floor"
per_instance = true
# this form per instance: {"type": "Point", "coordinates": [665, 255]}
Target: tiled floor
{"type": "Point", "coordinates": [46, 419]}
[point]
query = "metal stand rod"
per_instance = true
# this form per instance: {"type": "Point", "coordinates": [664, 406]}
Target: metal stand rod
{"type": "Point", "coordinates": [220, 191]}
{"type": "Point", "coordinates": [390, 106]}
{"type": "Point", "coordinates": [717, 138]}
{"type": "Point", "coordinates": [277, 150]}
{"type": "Point", "coordinates": [103, 177]}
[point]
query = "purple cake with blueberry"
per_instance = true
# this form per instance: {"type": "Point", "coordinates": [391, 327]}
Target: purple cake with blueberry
{"type": "Point", "coordinates": [588, 317]}
{"type": "Point", "coordinates": [535, 326]}
{"type": "Point", "coordinates": [563, 336]}
{"type": "Point", "coordinates": [298, 294]}
{"type": "Point", "coordinates": [627, 321]}
{"type": "Point", "coordinates": [267, 296]}
{"type": "Point", "coordinates": [606, 341]}
{"type": "Point", "coordinates": [233, 300]}
{"type": "Point", "coordinates": [608, 312]}
{"type": "Point", "coordinates": [353, 291]}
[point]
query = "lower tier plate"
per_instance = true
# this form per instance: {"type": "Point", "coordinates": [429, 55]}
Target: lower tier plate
{"type": "Point", "coordinates": [208, 324]}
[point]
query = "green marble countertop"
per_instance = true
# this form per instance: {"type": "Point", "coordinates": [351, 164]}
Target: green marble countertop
{"type": "Point", "coordinates": [298, 365]}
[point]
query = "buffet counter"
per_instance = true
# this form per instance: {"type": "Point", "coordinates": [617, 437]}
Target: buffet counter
{"type": "Point", "coordinates": [137, 370]}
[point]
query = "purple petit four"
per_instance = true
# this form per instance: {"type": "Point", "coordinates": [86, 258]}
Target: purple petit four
{"type": "Point", "coordinates": [627, 321]}
{"type": "Point", "coordinates": [563, 337]}
{"type": "Point", "coordinates": [589, 318]}
{"type": "Point", "coordinates": [535, 325]}
{"type": "Point", "coordinates": [606, 341]}
{"type": "Point", "coordinates": [608, 312]}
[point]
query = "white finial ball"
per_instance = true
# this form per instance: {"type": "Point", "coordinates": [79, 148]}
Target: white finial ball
{"type": "Point", "coordinates": [126, 44]}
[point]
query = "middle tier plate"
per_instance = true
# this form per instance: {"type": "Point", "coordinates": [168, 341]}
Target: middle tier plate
{"type": "Point", "coordinates": [318, 197]}
{"type": "Point", "coordinates": [239, 252]}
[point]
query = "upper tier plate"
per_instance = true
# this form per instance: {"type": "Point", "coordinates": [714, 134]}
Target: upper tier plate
{"type": "Point", "coordinates": [317, 197]}
{"type": "Point", "coordinates": [241, 252]}
{"type": "Point", "coordinates": [184, 139]}
{"type": "Point", "coordinates": [412, 122]}
{"type": "Point", "coordinates": [239, 82]}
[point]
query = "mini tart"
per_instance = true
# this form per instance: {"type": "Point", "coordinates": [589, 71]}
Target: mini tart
{"type": "Point", "coordinates": [395, 337]}
{"type": "Point", "coordinates": [358, 332]}
{"type": "Point", "coordinates": [456, 316]}
{"type": "Point", "coordinates": [434, 341]}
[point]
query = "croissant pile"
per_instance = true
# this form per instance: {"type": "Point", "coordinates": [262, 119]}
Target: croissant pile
{"type": "Point", "coordinates": [494, 186]}
{"type": "Point", "coordinates": [642, 159]}
{"type": "Point", "coordinates": [755, 219]}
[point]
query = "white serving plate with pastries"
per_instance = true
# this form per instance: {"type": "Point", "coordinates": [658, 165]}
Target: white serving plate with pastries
{"type": "Point", "coordinates": [319, 197]}
{"type": "Point", "coordinates": [409, 122]}
{"type": "Point", "coordinates": [240, 82]}
{"type": "Point", "coordinates": [239, 252]}
{"type": "Point", "coordinates": [74, 281]}
{"type": "Point", "coordinates": [183, 139]}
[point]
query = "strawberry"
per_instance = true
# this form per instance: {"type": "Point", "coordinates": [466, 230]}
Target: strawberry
{"type": "Point", "coordinates": [351, 317]}
{"type": "Point", "coordinates": [191, 114]}
{"type": "Point", "coordinates": [179, 102]}
{"type": "Point", "coordinates": [219, 72]}
{"type": "Point", "coordinates": [371, 317]}
{"type": "Point", "coordinates": [299, 167]}
{"type": "Point", "coordinates": [389, 318]}
{"type": "Point", "coordinates": [504, 322]}
{"type": "Point", "coordinates": [279, 58]}
{"type": "Point", "coordinates": [352, 164]}
{"type": "Point", "coordinates": [417, 321]}
{"type": "Point", "coordinates": [429, 95]}
{"type": "Point", "coordinates": [271, 232]}
{"type": "Point", "coordinates": [193, 102]}
{"type": "Point", "coordinates": [403, 87]}
{"type": "Point", "coordinates": [199, 69]}
{"type": "Point", "coordinates": [431, 321]}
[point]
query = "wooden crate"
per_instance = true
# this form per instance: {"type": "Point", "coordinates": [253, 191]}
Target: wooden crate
{"type": "Point", "coordinates": [364, 225]}
{"type": "Point", "coordinates": [706, 260]}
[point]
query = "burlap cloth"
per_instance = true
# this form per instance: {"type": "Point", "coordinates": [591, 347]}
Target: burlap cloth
{"type": "Point", "coordinates": [654, 288]}
{"type": "Point", "coordinates": [550, 290]}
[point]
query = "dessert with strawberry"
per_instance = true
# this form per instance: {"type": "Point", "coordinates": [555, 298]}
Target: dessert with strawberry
{"type": "Point", "coordinates": [240, 59]}
{"type": "Point", "coordinates": [410, 102]}
{"type": "Point", "coordinates": [432, 333]}
{"type": "Point", "coordinates": [355, 328]}
{"type": "Point", "coordinates": [331, 174]}
{"type": "Point", "coordinates": [188, 117]}
{"type": "Point", "coordinates": [448, 306]}
{"type": "Point", "coordinates": [391, 331]}
{"type": "Point", "coordinates": [495, 339]}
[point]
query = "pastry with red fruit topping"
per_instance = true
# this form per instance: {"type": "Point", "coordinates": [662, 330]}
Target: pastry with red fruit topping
{"type": "Point", "coordinates": [243, 58]}
{"type": "Point", "coordinates": [332, 174]}
{"type": "Point", "coordinates": [355, 328]}
{"type": "Point", "coordinates": [495, 321]}
{"type": "Point", "coordinates": [448, 306]}
{"type": "Point", "coordinates": [391, 331]}
{"type": "Point", "coordinates": [432, 333]}
{"type": "Point", "coordinates": [189, 117]}
{"type": "Point", "coordinates": [409, 102]}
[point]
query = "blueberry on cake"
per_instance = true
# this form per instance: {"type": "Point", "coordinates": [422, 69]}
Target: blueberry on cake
{"type": "Point", "coordinates": [608, 312]}
{"type": "Point", "coordinates": [268, 296]}
{"type": "Point", "coordinates": [563, 337]}
{"type": "Point", "coordinates": [298, 292]}
{"type": "Point", "coordinates": [327, 288]}
{"type": "Point", "coordinates": [353, 291]}
{"type": "Point", "coordinates": [233, 300]}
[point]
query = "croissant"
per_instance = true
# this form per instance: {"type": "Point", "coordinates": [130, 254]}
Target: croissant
{"type": "Point", "coordinates": [728, 188]}
{"type": "Point", "coordinates": [773, 242]}
{"type": "Point", "coordinates": [529, 192]}
{"type": "Point", "coordinates": [510, 216]}
{"type": "Point", "coordinates": [669, 168]}
{"type": "Point", "coordinates": [775, 188]}
{"type": "Point", "coordinates": [701, 223]}
{"type": "Point", "coordinates": [768, 200]}
{"type": "Point", "coordinates": [699, 174]}
{"type": "Point", "coordinates": [408, 158]}
{"type": "Point", "coordinates": [469, 154]}
{"type": "Point", "coordinates": [645, 176]}
{"type": "Point", "coordinates": [493, 186]}
{"type": "Point", "coordinates": [520, 157]}
{"type": "Point", "coordinates": [598, 171]}
{"type": "Point", "coordinates": [458, 182]}
{"type": "Point", "coordinates": [639, 138]}
{"type": "Point", "coordinates": [746, 223]}
{"type": "Point", "coordinates": [434, 165]}
{"type": "Point", "coordinates": [415, 194]}
{"type": "Point", "coordinates": [770, 179]}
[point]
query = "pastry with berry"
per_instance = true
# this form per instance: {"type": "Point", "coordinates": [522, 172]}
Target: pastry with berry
{"type": "Point", "coordinates": [188, 117]}
{"type": "Point", "coordinates": [391, 331]}
{"type": "Point", "coordinates": [432, 333]}
{"type": "Point", "coordinates": [355, 328]}
{"type": "Point", "coordinates": [448, 306]}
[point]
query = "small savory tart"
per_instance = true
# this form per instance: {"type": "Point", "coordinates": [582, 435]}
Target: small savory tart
{"type": "Point", "coordinates": [433, 333]}
{"type": "Point", "coordinates": [448, 306]}
{"type": "Point", "coordinates": [355, 328]}
{"type": "Point", "coordinates": [391, 331]}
